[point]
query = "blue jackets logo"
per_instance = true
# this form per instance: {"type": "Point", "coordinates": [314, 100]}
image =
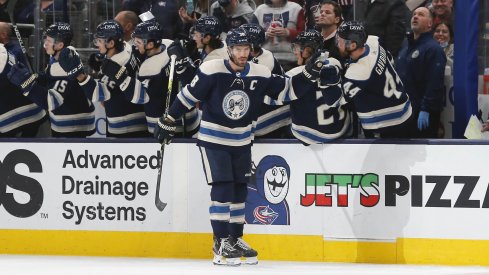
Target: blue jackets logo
{"type": "Point", "coordinates": [9, 177]}
{"type": "Point", "coordinates": [236, 104]}
{"type": "Point", "coordinates": [267, 192]}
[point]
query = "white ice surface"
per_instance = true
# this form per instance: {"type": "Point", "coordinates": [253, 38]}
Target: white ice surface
{"type": "Point", "coordinates": [54, 265]}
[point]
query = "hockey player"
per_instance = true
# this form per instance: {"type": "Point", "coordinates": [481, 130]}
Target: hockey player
{"type": "Point", "coordinates": [206, 35]}
{"type": "Point", "coordinates": [125, 118]}
{"type": "Point", "coordinates": [229, 91]}
{"type": "Point", "coordinates": [273, 121]}
{"type": "Point", "coordinates": [151, 84]}
{"type": "Point", "coordinates": [317, 116]}
{"type": "Point", "coordinates": [70, 112]}
{"type": "Point", "coordinates": [18, 115]}
{"type": "Point", "coordinates": [372, 84]}
{"type": "Point", "coordinates": [305, 45]}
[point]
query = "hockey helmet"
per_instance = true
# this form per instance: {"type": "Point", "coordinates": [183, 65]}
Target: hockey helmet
{"type": "Point", "coordinates": [109, 29]}
{"type": "Point", "coordinates": [61, 32]}
{"type": "Point", "coordinates": [224, 3]}
{"type": "Point", "coordinates": [237, 36]}
{"type": "Point", "coordinates": [256, 34]}
{"type": "Point", "coordinates": [353, 31]}
{"type": "Point", "coordinates": [148, 30]}
{"type": "Point", "coordinates": [309, 38]}
{"type": "Point", "coordinates": [208, 25]}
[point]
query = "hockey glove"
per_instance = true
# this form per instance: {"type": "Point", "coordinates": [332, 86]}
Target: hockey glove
{"type": "Point", "coordinates": [95, 61]}
{"type": "Point", "coordinates": [313, 67]}
{"type": "Point", "coordinates": [20, 76]}
{"type": "Point", "coordinates": [182, 59]}
{"type": "Point", "coordinates": [330, 74]}
{"type": "Point", "coordinates": [165, 130]}
{"type": "Point", "coordinates": [423, 120]}
{"type": "Point", "coordinates": [69, 60]}
{"type": "Point", "coordinates": [114, 71]}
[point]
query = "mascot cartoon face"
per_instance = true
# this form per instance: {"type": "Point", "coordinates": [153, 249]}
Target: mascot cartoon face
{"type": "Point", "coordinates": [272, 178]}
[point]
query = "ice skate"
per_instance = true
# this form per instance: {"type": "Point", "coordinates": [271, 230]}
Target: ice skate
{"type": "Point", "coordinates": [224, 253]}
{"type": "Point", "coordinates": [249, 254]}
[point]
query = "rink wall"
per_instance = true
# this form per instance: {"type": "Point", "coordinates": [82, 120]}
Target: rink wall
{"type": "Point", "coordinates": [423, 202]}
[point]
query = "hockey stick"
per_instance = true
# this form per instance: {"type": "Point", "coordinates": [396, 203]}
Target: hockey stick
{"type": "Point", "coordinates": [160, 205]}
{"type": "Point", "coordinates": [10, 10]}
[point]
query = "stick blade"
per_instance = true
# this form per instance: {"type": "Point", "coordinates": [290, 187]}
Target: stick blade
{"type": "Point", "coordinates": [160, 205]}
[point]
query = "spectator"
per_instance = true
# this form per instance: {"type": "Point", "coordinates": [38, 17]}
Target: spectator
{"type": "Point", "coordinates": [282, 20]}
{"type": "Point", "coordinates": [165, 12]}
{"type": "Point", "coordinates": [443, 33]}
{"type": "Point", "coordinates": [442, 9]}
{"type": "Point", "coordinates": [232, 13]}
{"type": "Point", "coordinates": [328, 21]}
{"type": "Point", "coordinates": [23, 11]}
{"type": "Point", "coordinates": [312, 10]}
{"type": "Point", "coordinates": [387, 20]}
{"type": "Point", "coordinates": [128, 20]}
{"type": "Point", "coordinates": [421, 66]}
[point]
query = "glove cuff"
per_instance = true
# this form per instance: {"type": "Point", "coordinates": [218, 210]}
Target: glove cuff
{"type": "Point", "coordinates": [308, 75]}
{"type": "Point", "coordinates": [26, 84]}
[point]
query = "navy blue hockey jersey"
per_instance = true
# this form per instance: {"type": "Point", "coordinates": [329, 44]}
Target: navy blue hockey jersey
{"type": "Point", "coordinates": [317, 115]}
{"type": "Point", "coordinates": [69, 110]}
{"type": "Point", "coordinates": [376, 90]}
{"type": "Point", "coordinates": [15, 109]}
{"type": "Point", "coordinates": [152, 82]}
{"type": "Point", "coordinates": [230, 100]}
{"type": "Point", "coordinates": [271, 117]}
{"type": "Point", "coordinates": [124, 111]}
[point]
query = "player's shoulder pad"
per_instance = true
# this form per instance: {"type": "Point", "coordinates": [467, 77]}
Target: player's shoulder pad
{"type": "Point", "coordinates": [259, 70]}
{"type": "Point", "coordinates": [3, 57]}
{"type": "Point", "coordinates": [213, 66]}
{"type": "Point", "coordinates": [123, 57]}
{"type": "Point", "coordinates": [56, 70]}
{"type": "Point", "coordinates": [267, 59]}
{"type": "Point", "coordinates": [362, 69]}
{"type": "Point", "coordinates": [166, 42]}
{"type": "Point", "coordinates": [221, 53]}
{"type": "Point", "coordinates": [294, 71]}
{"type": "Point", "coordinates": [153, 65]}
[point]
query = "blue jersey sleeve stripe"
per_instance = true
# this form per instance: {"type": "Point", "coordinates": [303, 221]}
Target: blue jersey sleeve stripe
{"type": "Point", "coordinates": [385, 117]}
{"type": "Point", "coordinates": [225, 135]}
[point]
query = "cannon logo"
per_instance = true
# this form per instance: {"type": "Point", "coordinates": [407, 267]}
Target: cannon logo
{"type": "Point", "coordinates": [9, 177]}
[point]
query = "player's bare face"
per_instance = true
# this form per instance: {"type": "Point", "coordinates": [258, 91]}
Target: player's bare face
{"type": "Point", "coordinates": [421, 21]}
{"type": "Point", "coordinates": [49, 44]}
{"type": "Point", "coordinates": [326, 16]}
{"type": "Point", "coordinates": [240, 54]}
{"type": "Point", "coordinates": [100, 44]}
{"type": "Point", "coordinates": [341, 44]}
{"type": "Point", "coordinates": [198, 37]}
{"type": "Point", "coordinates": [139, 43]}
{"type": "Point", "coordinates": [442, 33]}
